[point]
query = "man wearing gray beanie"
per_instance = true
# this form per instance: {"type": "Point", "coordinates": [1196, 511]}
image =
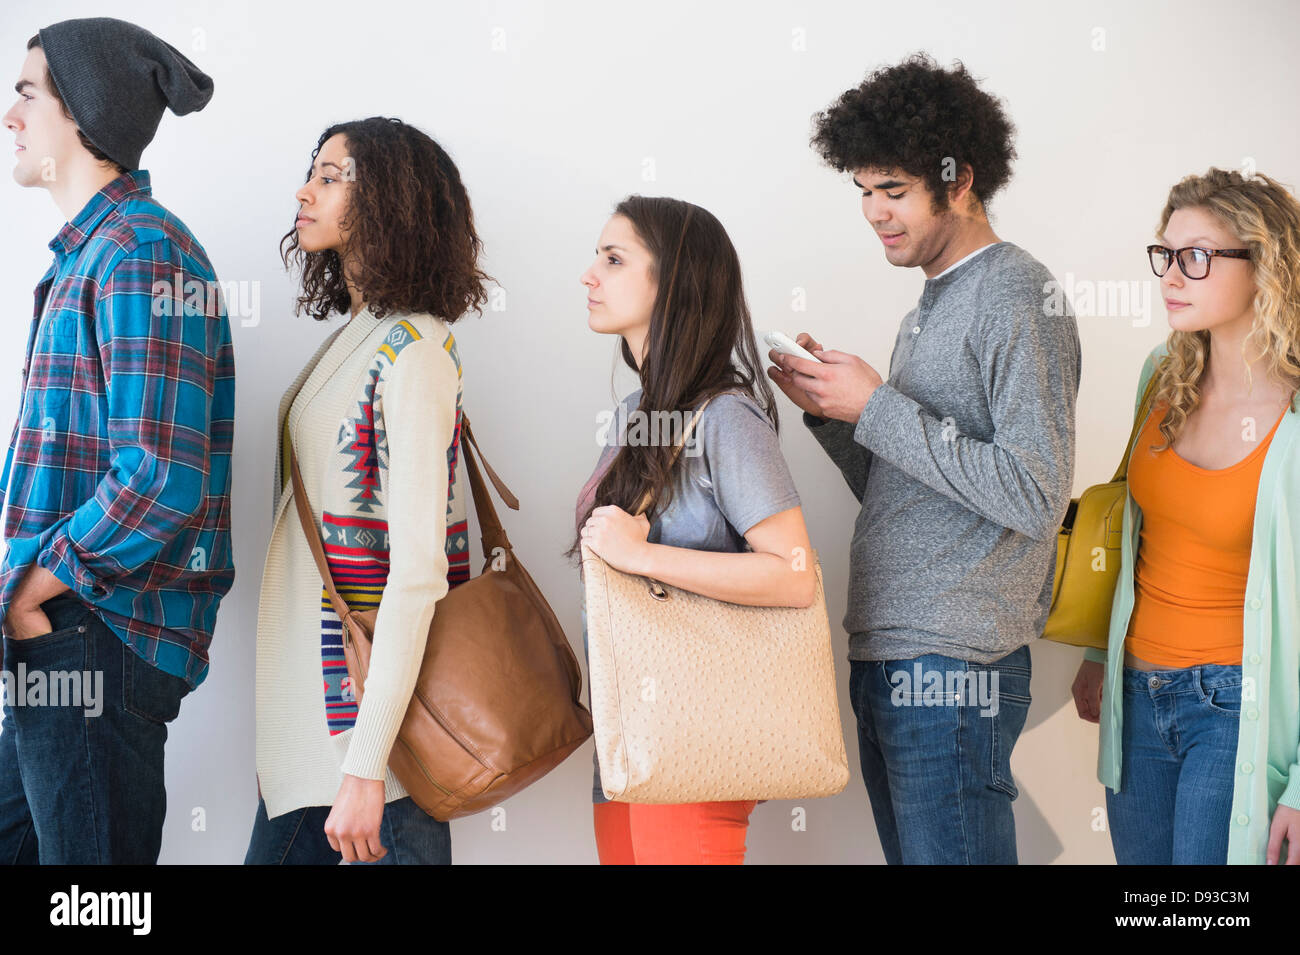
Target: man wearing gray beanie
{"type": "Point", "coordinates": [116, 485]}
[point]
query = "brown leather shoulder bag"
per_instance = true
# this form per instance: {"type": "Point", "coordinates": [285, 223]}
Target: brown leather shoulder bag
{"type": "Point", "coordinates": [496, 705]}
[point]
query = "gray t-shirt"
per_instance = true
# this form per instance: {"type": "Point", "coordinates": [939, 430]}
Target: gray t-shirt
{"type": "Point", "coordinates": [733, 478]}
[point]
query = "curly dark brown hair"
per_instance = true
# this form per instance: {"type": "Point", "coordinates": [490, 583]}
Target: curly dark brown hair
{"type": "Point", "coordinates": [913, 117]}
{"type": "Point", "coordinates": [409, 215]}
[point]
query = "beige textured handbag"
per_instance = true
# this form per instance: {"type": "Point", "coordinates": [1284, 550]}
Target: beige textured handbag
{"type": "Point", "coordinates": [700, 700]}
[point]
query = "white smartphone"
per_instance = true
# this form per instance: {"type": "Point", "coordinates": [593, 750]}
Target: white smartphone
{"type": "Point", "coordinates": [786, 346]}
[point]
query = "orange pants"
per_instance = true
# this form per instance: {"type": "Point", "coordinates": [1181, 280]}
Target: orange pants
{"type": "Point", "coordinates": [697, 833]}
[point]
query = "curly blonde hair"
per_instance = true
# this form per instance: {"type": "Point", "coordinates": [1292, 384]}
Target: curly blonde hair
{"type": "Point", "coordinates": [1265, 217]}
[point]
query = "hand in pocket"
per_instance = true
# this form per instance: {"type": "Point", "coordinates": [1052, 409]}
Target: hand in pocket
{"type": "Point", "coordinates": [23, 623]}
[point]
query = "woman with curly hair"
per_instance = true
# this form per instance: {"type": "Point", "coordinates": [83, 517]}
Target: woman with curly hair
{"type": "Point", "coordinates": [725, 520]}
{"type": "Point", "coordinates": [385, 233]}
{"type": "Point", "coordinates": [1198, 695]}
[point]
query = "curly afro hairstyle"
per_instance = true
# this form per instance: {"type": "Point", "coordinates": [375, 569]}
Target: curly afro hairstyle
{"type": "Point", "coordinates": [913, 117]}
{"type": "Point", "coordinates": [410, 218]}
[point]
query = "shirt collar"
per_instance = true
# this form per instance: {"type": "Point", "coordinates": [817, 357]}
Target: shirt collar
{"type": "Point", "coordinates": [958, 264]}
{"type": "Point", "coordinates": [74, 233]}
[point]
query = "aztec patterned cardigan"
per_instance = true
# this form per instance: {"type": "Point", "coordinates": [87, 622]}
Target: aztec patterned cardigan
{"type": "Point", "coordinates": [375, 421]}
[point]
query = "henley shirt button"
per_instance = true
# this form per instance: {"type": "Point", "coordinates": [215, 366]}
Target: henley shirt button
{"type": "Point", "coordinates": [1243, 819]}
{"type": "Point", "coordinates": [916, 329]}
{"type": "Point", "coordinates": [1247, 768]}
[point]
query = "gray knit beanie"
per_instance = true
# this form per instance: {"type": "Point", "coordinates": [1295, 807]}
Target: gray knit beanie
{"type": "Point", "coordinates": [117, 78]}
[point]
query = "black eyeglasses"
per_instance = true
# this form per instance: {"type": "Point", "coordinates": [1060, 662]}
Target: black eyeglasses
{"type": "Point", "coordinates": [1194, 262]}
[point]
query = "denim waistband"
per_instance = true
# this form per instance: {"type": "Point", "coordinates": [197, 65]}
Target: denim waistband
{"type": "Point", "coordinates": [1208, 676]}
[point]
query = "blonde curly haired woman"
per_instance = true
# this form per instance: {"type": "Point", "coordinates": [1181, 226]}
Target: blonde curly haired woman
{"type": "Point", "coordinates": [1198, 695]}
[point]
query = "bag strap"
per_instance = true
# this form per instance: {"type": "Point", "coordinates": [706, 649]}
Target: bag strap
{"type": "Point", "coordinates": [494, 535]}
{"type": "Point", "coordinates": [677, 450]}
{"type": "Point", "coordinates": [1121, 473]}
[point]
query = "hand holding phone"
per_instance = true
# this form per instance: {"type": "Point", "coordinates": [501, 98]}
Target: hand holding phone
{"type": "Point", "coordinates": [787, 346]}
{"type": "Point", "coordinates": [804, 347]}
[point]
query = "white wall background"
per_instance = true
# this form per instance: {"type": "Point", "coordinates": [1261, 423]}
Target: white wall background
{"type": "Point", "coordinates": [553, 112]}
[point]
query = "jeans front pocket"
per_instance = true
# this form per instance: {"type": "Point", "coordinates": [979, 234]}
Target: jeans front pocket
{"type": "Point", "coordinates": [68, 618]}
{"type": "Point", "coordinates": [904, 682]}
{"type": "Point", "coordinates": [1221, 696]}
{"type": "Point", "coordinates": [45, 639]}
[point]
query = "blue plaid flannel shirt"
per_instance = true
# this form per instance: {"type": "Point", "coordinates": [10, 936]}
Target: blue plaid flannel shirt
{"type": "Point", "coordinates": [117, 478]}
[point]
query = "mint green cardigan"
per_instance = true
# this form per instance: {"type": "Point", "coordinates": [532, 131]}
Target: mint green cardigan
{"type": "Point", "coordinates": [1268, 738]}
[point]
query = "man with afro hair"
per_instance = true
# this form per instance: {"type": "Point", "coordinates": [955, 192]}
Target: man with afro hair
{"type": "Point", "coordinates": [962, 461]}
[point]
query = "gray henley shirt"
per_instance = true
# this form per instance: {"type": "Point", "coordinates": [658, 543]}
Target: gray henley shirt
{"type": "Point", "coordinates": [963, 461]}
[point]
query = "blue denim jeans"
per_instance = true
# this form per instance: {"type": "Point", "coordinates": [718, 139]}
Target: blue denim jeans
{"type": "Point", "coordinates": [935, 735]}
{"type": "Point", "coordinates": [297, 837]}
{"type": "Point", "coordinates": [82, 783]}
{"type": "Point", "coordinates": [1178, 762]}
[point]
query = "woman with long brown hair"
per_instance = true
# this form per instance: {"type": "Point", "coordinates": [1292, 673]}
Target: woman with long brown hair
{"type": "Point", "coordinates": [385, 234]}
{"type": "Point", "coordinates": [725, 520]}
{"type": "Point", "coordinates": [1198, 694]}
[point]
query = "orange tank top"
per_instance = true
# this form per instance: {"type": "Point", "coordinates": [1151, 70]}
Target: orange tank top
{"type": "Point", "coordinates": [1193, 553]}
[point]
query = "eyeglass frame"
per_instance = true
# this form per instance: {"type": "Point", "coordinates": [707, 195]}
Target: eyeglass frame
{"type": "Point", "coordinates": [1176, 255]}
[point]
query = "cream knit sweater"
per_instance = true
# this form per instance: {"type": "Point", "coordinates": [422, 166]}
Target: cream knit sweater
{"type": "Point", "coordinates": [375, 423]}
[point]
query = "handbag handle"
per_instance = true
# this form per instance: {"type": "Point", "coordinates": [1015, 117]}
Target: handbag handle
{"type": "Point", "coordinates": [1121, 473]}
{"type": "Point", "coordinates": [489, 524]}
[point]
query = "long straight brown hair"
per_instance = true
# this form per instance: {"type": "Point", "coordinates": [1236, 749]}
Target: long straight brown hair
{"type": "Point", "coordinates": [701, 342]}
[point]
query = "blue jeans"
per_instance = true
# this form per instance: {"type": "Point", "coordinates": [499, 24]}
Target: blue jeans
{"type": "Point", "coordinates": [79, 786]}
{"type": "Point", "coordinates": [297, 837]}
{"type": "Point", "coordinates": [1178, 762]}
{"type": "Point", "coordinates": [935, 735]}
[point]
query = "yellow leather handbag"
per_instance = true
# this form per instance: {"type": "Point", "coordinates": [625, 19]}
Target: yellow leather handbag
{"type": "Point", "coordinates": [1088, 554]}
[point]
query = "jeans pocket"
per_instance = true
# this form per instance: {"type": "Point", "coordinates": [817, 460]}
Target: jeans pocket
{"type": "Point", "coordinates": [903, 682]}
{"type": "Point", "coordinates": [1223, 698]}
{"type": "Point", "coordinates": [75, 629]}
{"type": "Point", "coordinates": [148, 692]}
{"type": "Point", "coordinates": [1012, 701]}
